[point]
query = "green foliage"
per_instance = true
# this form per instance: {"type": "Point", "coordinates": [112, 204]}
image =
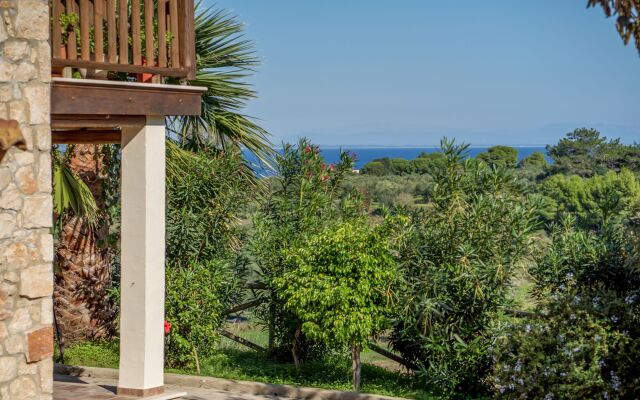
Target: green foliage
{"type": "Point", "coordinates": [204, 264]}
{"type": "Point", "coordinates": [457, 259]}
{"type": "Point", "coordinates": [585, 153]}
{"type": "Point", "coordinates": [500, 156]}
{"type": "Point", "coordinates": [205, 192]}
{"type": "Point", "coordinates": [560, 355]}
{"type": "Point", "coordinates": [196, 298]}
{"type": "Point", "coordinates": [535, 159]}
{"type": "Point", "coordinates": [596, 201]}
{"type": "Point", "coordinates": [584, 341]}
{"type": "Point", "coordinates": [306, 197]}
{"type": "Point", "coordinates": [70, 193]}
{"type": "Point", "coordinates": [425, 163]}
{"type": "Point", "coordinates": [390, 190]}
{"type": "Point", "coordinates": [338, 284]}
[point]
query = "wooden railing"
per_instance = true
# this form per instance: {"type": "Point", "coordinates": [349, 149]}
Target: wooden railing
{"type": "Point", "coordinates": [151, 37]}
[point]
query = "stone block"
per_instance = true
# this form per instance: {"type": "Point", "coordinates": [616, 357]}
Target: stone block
{"type": "Point", "coordinates": [26, 180]}
{"type": "Point", "coordinates": [44, 173]}
{"type": "Point", "coordinates": [8, 368]}
{"type": "Point", "coordinates": [16, 50]}
{"type": "Point", "coordinates": [32, 21]}
{"type": "Point", "coordinates": [6, 71]}
{"type": "Point", "coordinates": [14, 344]}
{"type": "Point", "coordinates": [36, 281]}
{"type": "Point", "coordinates": [40, 344]}
{"type": "Point", "coordinates": [22, 388]}
{"type": "Point", "coordinates": [46, 311]}
{"type": "Point", "coordinates": [5, 177]}
{"type": "Point", "coordinates": [37, 212]}
{"type": "Point", "coordinates": [25, 72]}
{"type": "Point", "coordinates": [39, 103]}
{"type": "Point", "coordinates": [7, 224]}
{"type": "Point", "coordinates": [20, 322]}
{"type": "Point", "coordinates": [11, 198]}
{"type": "Point", "coordinates": [46, 372]}
{"type": "Point", "coordinates": [43, 137]}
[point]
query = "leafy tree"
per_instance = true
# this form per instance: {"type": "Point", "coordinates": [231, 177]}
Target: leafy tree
{"type": "Point", "coordinates": [535, 159]}
{"type": "Point", "coordinates": [627, 22]}
{"type": "Point", "coordinates": [307, 196]}
{"type": "Point", "coordinates": [376, 168]}
{"type": "Point", "coordinates": [426, 163]}
{"type": "Point", "coordinates": [585, 153]}
{"type": "Point", "coordinates": [501, 156]}
{"type": "Point", "coordinates": [457, 258]}
{"type": "Point", "coordinates": [339, 284]}
{"type": "Point", "coordinates": [596, 201]}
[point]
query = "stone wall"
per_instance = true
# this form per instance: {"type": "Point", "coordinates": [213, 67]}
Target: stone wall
{"type": "Point", "coordinates": [26, 245]}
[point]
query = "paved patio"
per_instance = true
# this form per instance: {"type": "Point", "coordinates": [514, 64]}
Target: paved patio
{"type": "Point", "coordinates": [84, 388]}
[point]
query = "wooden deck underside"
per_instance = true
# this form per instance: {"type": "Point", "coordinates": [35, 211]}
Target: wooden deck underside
{"type": "Point", "coordinates": [93, 111]}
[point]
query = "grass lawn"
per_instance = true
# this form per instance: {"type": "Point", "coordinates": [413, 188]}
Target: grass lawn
{"type": "Point", "coordinates": [233, 361]}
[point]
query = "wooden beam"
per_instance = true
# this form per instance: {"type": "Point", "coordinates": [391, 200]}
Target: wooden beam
{"type": "Point", "coordinates": [75, 121]}
{"type": "Point", "coordinates": [100, 136]}
{"type": "Point", "coordinates": [128, 68]}
{"type": "Point", "coordinates": [93, 97]}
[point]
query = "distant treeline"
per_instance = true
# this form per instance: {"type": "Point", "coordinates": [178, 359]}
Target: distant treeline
{"type": "Point", "coordinates": [582, 152]}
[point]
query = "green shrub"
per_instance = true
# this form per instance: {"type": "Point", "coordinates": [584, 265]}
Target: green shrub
{"type": "Point", "coordinates": [613, 197]}
{"type": "Point", "coordinates": [338, 284]}
{"type": "Point", "coordinates": [457, 259]}
{"type": "Point", "coordinates": [584, 341]}
{"type": "Point", "coordinates": [307, 196]}
{"type": "Point", "coordinates": [500, 156]}
{"type": "Point", "coordinates": [205, 266]}
{"type": "Point", "coordinates": [196, 299]}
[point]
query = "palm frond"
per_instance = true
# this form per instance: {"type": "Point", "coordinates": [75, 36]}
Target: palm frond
{"type": "Point", "coordinates": [70, 193]}
{"type": "Point", "coordinates": [225, 59]}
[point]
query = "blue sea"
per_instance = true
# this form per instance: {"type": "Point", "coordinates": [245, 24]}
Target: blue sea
{"type": "Point", "coordinates": [367, 154]}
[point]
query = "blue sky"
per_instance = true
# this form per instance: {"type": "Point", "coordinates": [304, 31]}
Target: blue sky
{"type": "Point", "coordinates": [407, 72]}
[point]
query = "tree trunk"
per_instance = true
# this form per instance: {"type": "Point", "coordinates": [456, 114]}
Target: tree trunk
{"type": "Point", "coordinates": [356, 367]}
{"type": "Point", "coordinates": [295, 349]}
{"type": "Point", "coordinates": [83, 267]}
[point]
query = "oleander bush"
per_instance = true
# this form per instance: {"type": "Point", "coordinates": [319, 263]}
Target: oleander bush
{"type": "Point", "coordinates": [457, 259]}
{"type": "Point", "coordinates": [584, 339]}
{"type": "Point", "coordinates": [205, 266]}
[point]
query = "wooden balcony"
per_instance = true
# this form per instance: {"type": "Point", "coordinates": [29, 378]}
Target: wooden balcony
{"type": "Point", "coordinates": [146, 39]}
{"type": "Point", "coordinates": [110, 59]}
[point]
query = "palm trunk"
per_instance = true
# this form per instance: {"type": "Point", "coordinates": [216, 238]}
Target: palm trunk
{"type": "Point", "coordinates": [83, 267]}
{"type": "Point", "coordinates": [356, 366]}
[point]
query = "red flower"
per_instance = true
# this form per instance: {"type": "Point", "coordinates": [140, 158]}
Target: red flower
{"type": "Point", "coordinates": [324, 178]}
{"type": "Point", "coordinates": [332, 168]}
{"type": "Point", "coordinates": [308, 149]}
{"type": "Point", "coordinates": [167, 327]}
{"type": "Point", "coordinates": [309, 174]}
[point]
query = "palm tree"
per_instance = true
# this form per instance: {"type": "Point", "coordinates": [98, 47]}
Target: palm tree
{"type": "Point", "coordinates": [224, 60]}
{"type": "Point", "coordinates": [83, 307]}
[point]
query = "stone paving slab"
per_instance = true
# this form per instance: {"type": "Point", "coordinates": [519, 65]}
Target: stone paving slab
{"type": "Point", "coordinates": [86, 388]}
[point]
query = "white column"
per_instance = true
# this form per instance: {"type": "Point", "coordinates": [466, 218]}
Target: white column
{"type": "Point", "coordinates": [142, 259]}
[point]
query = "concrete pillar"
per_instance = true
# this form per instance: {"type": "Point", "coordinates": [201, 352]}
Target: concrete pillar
{"type": "Point", "coordinates": [142, 260]}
